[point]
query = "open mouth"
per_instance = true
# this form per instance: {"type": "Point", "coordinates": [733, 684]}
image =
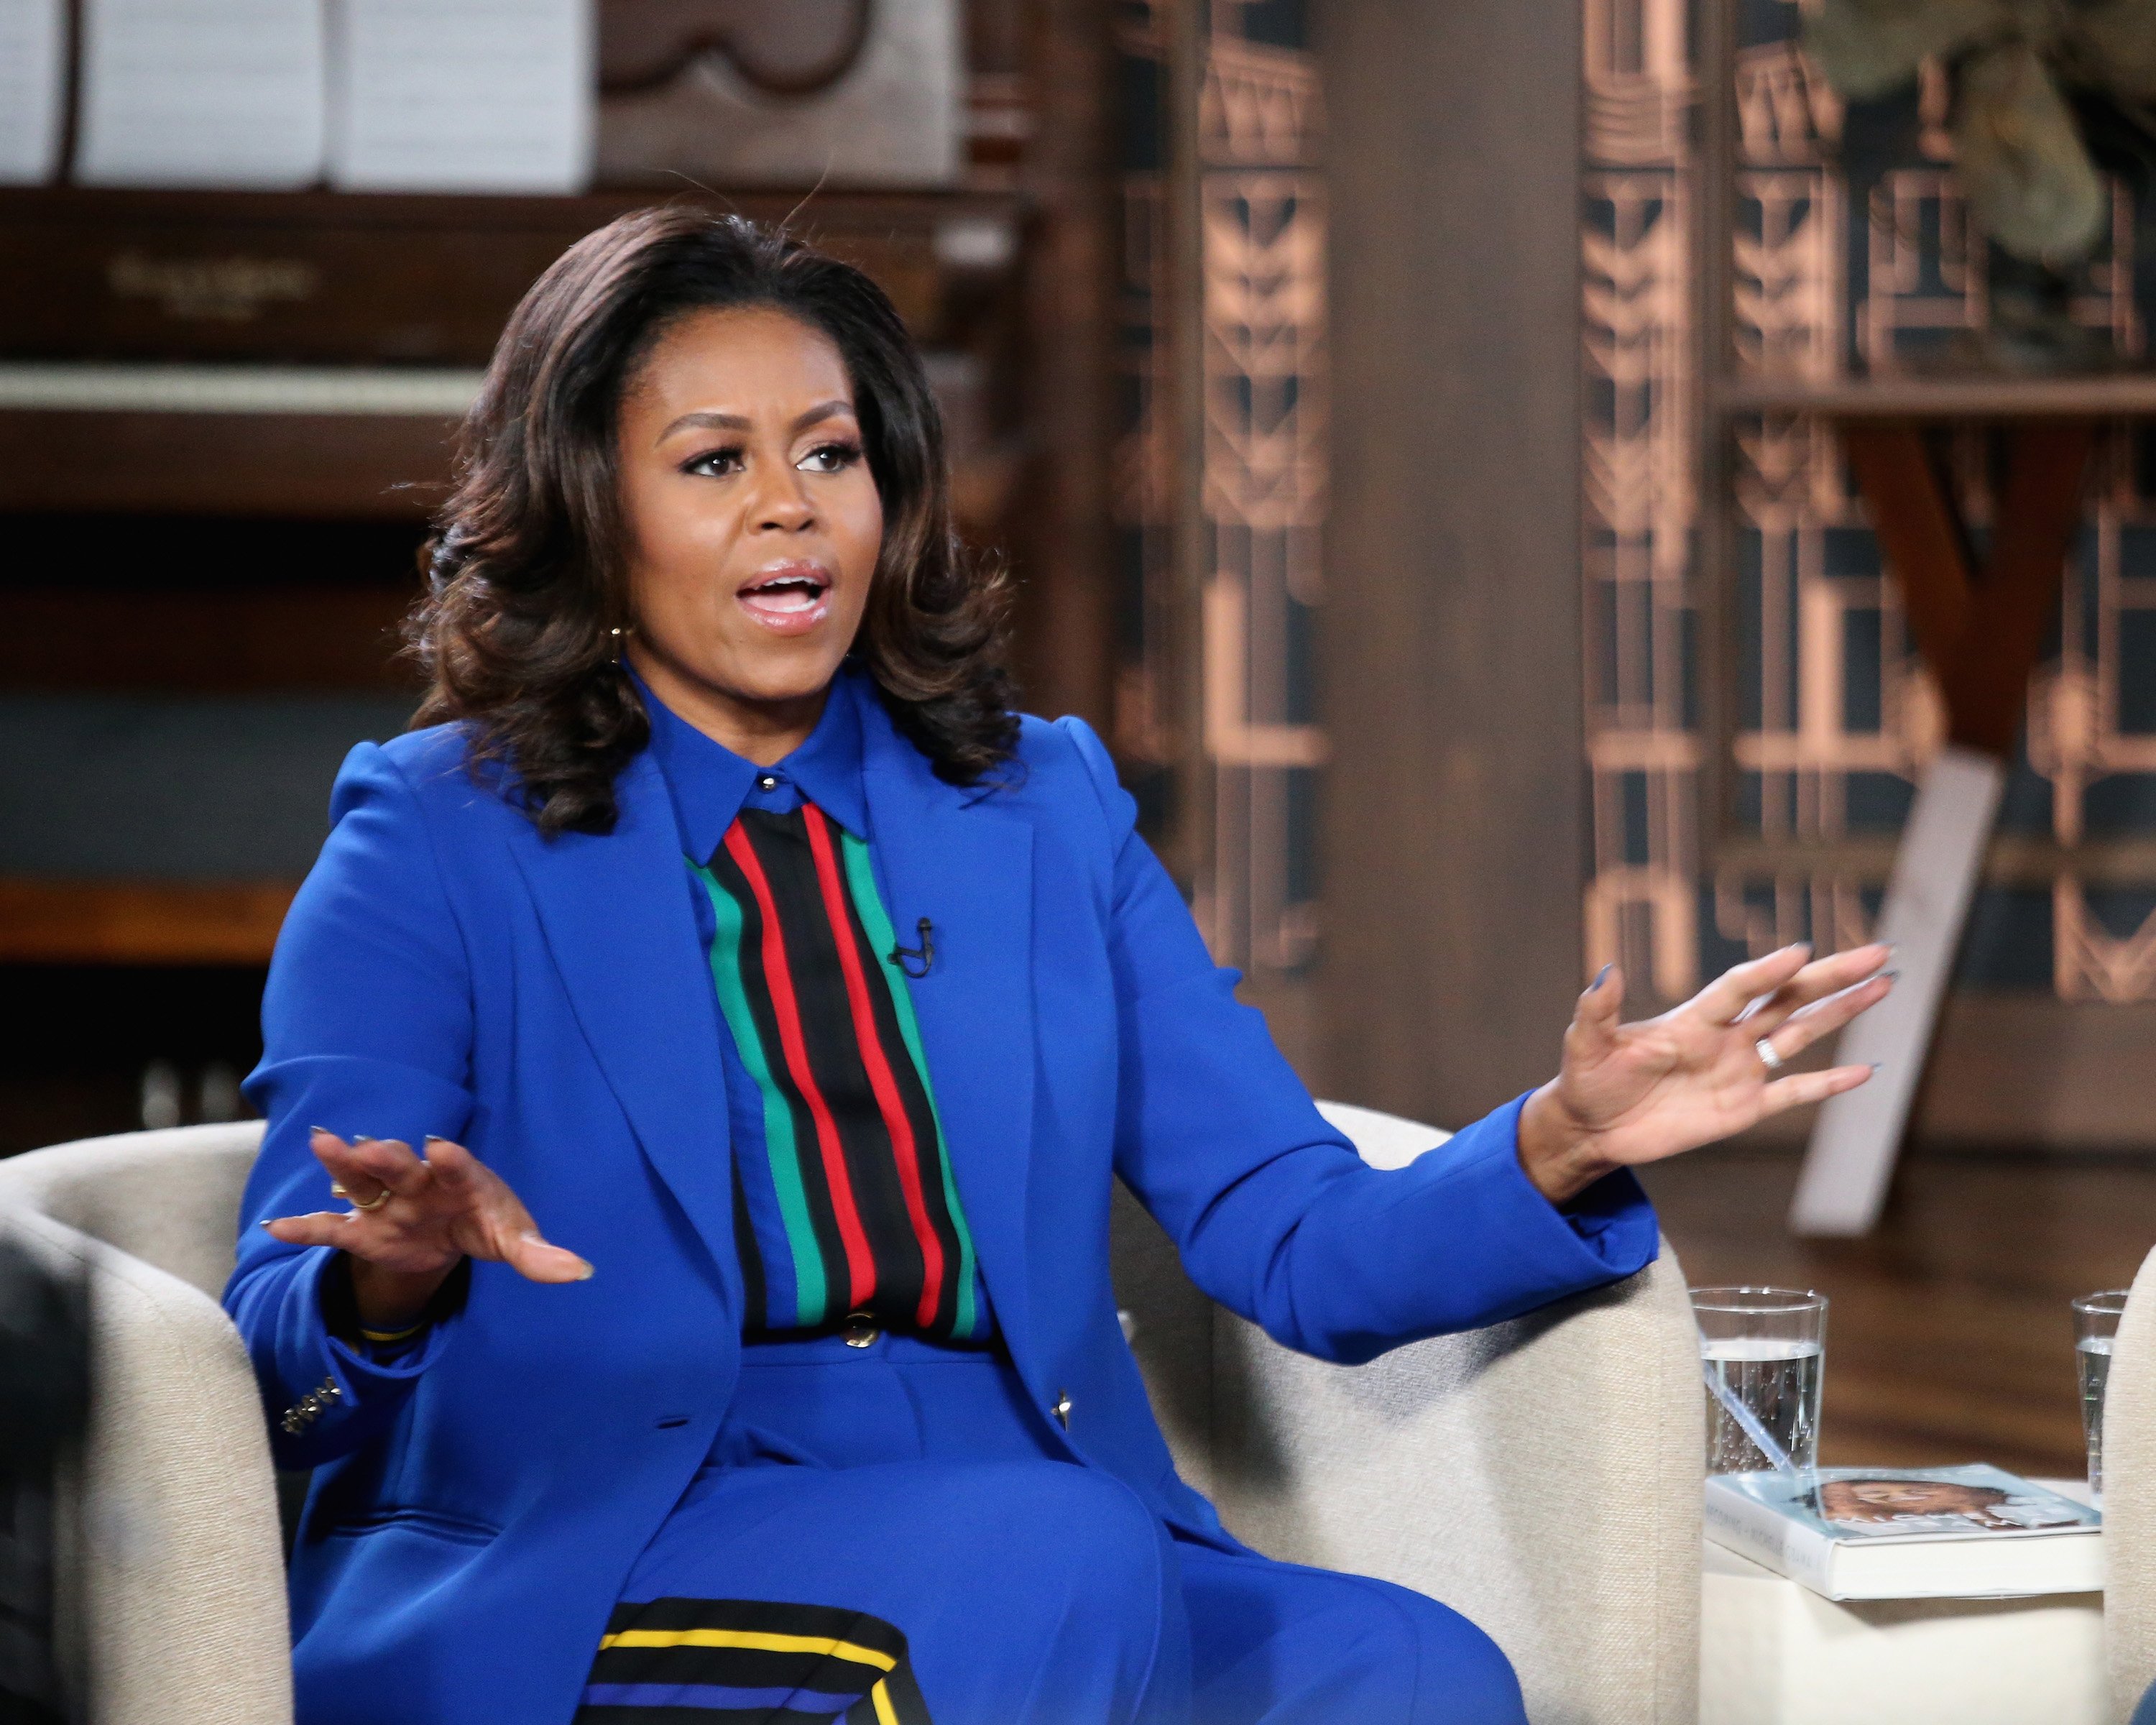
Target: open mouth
{"type": "Point", "coordinates": [789, 599]}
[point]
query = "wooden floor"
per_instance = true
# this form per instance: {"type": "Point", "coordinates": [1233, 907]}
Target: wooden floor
{"type": "Point", "coordinates": [1948, 1338]}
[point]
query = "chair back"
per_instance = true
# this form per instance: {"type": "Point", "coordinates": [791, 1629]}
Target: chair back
{"type": "Point", "coordinates": [1541, 1476]}
{"type": "Point", "coordinates": [180, 1559]}
{"type": "Point", "coordinates": [2129, 1498]}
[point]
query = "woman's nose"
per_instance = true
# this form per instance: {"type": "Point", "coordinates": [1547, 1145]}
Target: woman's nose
{"type": "Point", "coordinates": [784, 506]}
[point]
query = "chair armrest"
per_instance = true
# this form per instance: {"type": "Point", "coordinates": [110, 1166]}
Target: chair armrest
{"type": "Point", "coordinates": [182, 1561]}
{"type": "Point", "coordinates": [2129, 1498]}
{"type": "Point", "coordinates": [1542, 1477]}
{"type": "Point", "coordinates": [167, 1198]}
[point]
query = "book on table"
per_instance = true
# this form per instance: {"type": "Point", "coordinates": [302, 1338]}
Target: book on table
{"type": "Point", "coordinates": [1909, 1533]}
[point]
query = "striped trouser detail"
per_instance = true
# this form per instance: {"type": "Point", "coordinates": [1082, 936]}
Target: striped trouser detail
{"type": "Point", "coordinates": [749, 1662]}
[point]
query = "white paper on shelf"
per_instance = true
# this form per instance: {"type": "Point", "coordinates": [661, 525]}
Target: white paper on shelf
{"type": "Point", "coordinates": [462, 95]}
{"type": "Point", "coordinates": [201, 93]}
{"type": "Point", "coordinates": [33, 87]}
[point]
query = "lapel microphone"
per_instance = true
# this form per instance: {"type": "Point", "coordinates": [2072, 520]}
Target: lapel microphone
{"type": "Point", "coordinates": [905, 957]}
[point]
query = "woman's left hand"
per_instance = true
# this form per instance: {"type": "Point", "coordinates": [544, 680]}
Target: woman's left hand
{"type": "Point", "coordinates": [1628, 1094]}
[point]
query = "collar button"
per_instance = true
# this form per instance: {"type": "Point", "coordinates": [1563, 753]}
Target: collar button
{"type": "Point", "coordinates": [766, 782]}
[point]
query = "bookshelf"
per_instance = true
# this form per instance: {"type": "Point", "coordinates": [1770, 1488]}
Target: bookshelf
{"type": "Point", "coordinates": [274, 360]}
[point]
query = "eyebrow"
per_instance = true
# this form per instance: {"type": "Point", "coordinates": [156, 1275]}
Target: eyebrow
{"type": "Point", "coordinates": [704, 419]}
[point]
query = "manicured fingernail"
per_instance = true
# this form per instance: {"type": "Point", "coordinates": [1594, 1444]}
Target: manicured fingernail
{"type": "Point", "coordinates": [1874, 1065]}
{"type": "Point", "coordinates": [1601, 977]}
{"type": "Point", "coordinates": [264, 1223]}
{"type": "Point", "coordinates": [585, 1274]}
{"type": "Point", "coordinates": [323, 1130]}
{"type": "Point", "coordinates": [435, 1138]}
{"type": "Point", "coordinates": [1891, 975]}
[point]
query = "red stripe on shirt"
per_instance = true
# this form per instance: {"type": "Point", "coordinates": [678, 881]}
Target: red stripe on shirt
{"type": "Point", "coordinates": [860, 1262]}
{"type": "Point", "coordinates": [905, 1150]}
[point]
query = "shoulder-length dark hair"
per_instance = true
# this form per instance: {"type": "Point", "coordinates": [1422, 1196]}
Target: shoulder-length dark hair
{"type": "Point", "coordinates": [526, 570]}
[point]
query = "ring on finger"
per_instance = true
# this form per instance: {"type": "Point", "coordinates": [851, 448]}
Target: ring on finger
{"type": "Point", "coordinates": [338, 1190]}
{"type": "Point", "coordinates": [1770, 1057]}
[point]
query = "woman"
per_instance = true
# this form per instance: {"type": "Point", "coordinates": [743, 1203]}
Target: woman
{"type": "Point", "coordinates": [729, 927]}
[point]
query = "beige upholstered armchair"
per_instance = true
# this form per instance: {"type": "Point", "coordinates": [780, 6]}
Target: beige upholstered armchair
{"type": "Point", "coordinates": [2129, 1499]}
{"type": "Point", "coordinates": [1541, 1476]}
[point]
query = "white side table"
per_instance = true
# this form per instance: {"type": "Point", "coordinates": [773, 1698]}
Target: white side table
{"type": "Point", "coordinates": [1774, 1653]}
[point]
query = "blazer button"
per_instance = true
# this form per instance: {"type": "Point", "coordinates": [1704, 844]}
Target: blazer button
{"type": "Point", "coordinates": [860, 1330]}
{"type": "Point", "coordinates": [1062, 1409]}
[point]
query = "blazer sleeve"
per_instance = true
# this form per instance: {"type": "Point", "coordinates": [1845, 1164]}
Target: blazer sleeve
{"type": "Point", "coordinates": [1274, 1214]}
{"type": "Point", "coordinates": [366, 1029]}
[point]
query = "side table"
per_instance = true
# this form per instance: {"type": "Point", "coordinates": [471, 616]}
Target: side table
{"type": "Point", "coordinates": [1773, 1652]}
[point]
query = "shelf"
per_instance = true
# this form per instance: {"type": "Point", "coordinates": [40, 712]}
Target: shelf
{"type": "Point", "coordinates": [140, 921]}
{"type": "Point", "coordinates": [317, 466]}
{"type": "Point", "coordinates": [321, 278]}
{"type": "Point", "coordinates": [2116, 395]}
{"type": "Point", "coordinates": [90, 385]}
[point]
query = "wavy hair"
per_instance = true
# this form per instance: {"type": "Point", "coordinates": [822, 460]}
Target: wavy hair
{"type": "Point", "coordinates": [527, 575]}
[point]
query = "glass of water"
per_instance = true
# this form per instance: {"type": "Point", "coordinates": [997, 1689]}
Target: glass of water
{"type": "Point", "coordinates": [2096, 1324]}
{"type": "Point", "coordinates": [1762, 1351]}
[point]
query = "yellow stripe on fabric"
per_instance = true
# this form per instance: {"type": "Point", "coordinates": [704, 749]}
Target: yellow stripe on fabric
{"type": "Point", "coordinates": [886, 1713]}
{"type": "Point", "coordinates": [762, 1640]}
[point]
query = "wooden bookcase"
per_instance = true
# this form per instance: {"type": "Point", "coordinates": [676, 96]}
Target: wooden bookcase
{"type": "Point", "coordinates": [261, 359]}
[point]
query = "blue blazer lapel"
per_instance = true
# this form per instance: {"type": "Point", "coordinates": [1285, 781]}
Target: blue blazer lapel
{"type": "Point", "coordinates": [616, 913]}
{"type": "Point", "coordinates": [950, 856]}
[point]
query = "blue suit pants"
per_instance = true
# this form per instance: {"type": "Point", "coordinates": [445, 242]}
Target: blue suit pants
{"type": "Point", "coordinates": [988, 1581]}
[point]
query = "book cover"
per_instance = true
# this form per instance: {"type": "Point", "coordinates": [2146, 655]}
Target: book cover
{"type": "Point", "coordinates": [1873, 1503]}
{"type": "Point", "coordinates": [1885, 1533]}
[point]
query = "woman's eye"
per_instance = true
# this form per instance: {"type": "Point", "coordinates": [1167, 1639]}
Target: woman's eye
{"type": "Point", "coordinates": [716, 462]}
{"type": "Point", "coordinates": [830, 458]}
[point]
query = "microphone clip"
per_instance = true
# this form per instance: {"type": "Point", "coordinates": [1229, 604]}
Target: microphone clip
{"type": "Point", "coordinates": [925, 954]}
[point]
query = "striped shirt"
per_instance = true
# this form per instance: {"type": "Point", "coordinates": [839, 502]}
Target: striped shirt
{"type": "Point", "coordinates": [845, 1199]}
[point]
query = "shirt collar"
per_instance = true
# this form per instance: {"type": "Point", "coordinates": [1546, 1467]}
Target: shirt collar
{"type": "Point", "coordinates": [710, 783]}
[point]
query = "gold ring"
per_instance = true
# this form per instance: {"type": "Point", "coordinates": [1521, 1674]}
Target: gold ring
{"type": "Point", "coordinates": [375, 1203]}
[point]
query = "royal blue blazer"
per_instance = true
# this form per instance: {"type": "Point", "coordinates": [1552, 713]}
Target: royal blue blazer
{"type": "Point", "coordinates": [445, 969]}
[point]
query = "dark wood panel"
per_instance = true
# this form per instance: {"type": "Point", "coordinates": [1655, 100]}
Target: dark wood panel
{"type": "Point", "coordinates": [343, 278]}
{"type": "Point", "coordinates": [1452, 825]}
{"type": "Point", "coordinates": [1947, 1333]}
{"type": "Point", "coordinates": [1064, 557]}
{"type": "Point", "coordinates": [141, 923]}
{"type": "Point", "coordinates": [198, 641]}
{"type": "Point", "coordinates": [319, 466]}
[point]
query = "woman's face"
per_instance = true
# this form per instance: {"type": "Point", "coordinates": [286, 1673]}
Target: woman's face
{"type": "Point", "coordinates": [753, 523]}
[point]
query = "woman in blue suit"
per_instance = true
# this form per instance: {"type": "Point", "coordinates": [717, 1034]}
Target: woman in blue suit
{"type": "Point", "coordinates": [725, 924]}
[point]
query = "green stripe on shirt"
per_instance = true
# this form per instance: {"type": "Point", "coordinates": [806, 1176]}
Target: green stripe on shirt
{"type": "Point", "coordinates": [869, 903]}
{"type": "Point", "coordinates": [812, 1299]}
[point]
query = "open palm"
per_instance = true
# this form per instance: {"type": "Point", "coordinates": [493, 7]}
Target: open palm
{"type": "Point", "coordinates": [1628, 1094]}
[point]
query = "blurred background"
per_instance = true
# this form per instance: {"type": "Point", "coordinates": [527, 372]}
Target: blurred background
{"type": "Point", "coordinates": [1408, 426]}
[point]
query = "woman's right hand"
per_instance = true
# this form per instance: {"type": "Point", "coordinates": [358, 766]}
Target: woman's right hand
{"type": "Point", "coordinates": [434, 1210]}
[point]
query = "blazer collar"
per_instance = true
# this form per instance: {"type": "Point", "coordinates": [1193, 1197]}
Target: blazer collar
{"type": "Point", "coordinates": [954, 856]}
{"type": "Point", "coordinates": [618, 919]}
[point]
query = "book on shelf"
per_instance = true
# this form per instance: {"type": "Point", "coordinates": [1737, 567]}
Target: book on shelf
{"type": "Point", "coordinates": [1909, 1533]}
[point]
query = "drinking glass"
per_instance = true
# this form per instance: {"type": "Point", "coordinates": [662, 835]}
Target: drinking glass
{"type": "Point", "coordinates": [1763, 1353]}
{"type": "Point", "coordinates": [2096, 1324]}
